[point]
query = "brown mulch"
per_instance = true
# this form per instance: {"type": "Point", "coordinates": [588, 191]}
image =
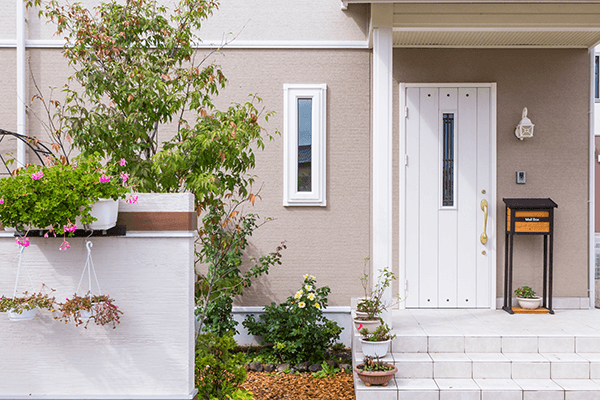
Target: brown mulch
{"type": "Point", "coordinates": [275, 386]}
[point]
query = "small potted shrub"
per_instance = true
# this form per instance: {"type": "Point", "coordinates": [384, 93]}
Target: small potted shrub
{"type": "Point", "coordinates": [376, 343]}
{"type": "Point", "coordinates": [375, 372]}
{"type": "Point", "coordinates": [83, 309]}
{"type": "Point", "coordinates": [25, 308]}
{"type": "Point", "coordinates": [373, 304]}
{"type": "Point", "coordinates": [527, 298]}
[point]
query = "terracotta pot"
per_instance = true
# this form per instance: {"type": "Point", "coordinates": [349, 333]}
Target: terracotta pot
{"type": "Point", "coordinates": [370, 324]}
{"type": "Point", "coordinates": [530, 304]}
{"type": "Point", "coordinates": [375, 378]}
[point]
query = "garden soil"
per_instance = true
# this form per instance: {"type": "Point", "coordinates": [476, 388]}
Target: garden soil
{"type": "Point", "coordinates": [275, 386]}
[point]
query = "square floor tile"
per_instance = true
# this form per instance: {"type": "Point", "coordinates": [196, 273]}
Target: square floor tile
{"type": "Point", "coordinates": [587, 344]}
{"type": "Point", "coordinates": [568, 366]}
{"type": "Point", "coordinates": [458, 389]}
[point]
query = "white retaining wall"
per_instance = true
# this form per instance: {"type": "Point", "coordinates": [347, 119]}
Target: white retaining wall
{"type": "Point", "coordinates": [150, 355]}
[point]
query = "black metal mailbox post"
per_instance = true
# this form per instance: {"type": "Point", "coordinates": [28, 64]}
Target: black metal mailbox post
{"type": "Point", "coordinates": [529, 217]}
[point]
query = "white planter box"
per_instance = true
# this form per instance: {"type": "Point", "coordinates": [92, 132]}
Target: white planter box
{"type": "Point", "coordinates": [26, 315]}
{"type": "Point", "coordinates": [106, 212]}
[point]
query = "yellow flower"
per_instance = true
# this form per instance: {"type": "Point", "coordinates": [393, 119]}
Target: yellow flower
{"type": "Point", "coordinates": [311, 296]}
{"type": "Point", "coordinates": [312, 277]}
{"type": "Point", "coordinates": [306, 276]}
{"type": "Point", "coordinates": [317, 305]}
{"type": "Point", "coordinates": [298, 294]}
{"type": "Point", "coordinates": [308, 288]}
{"type": "Point", "coordinates": [301, 304]}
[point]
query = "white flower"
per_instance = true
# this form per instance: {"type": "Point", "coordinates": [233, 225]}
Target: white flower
{"type": "Point", "coordinates": [311, 296]}
{"type": "Point", "coordinates": [302, 304]}
{"type": "Point", "coordinates": [308, 288]}
{"type": "Point", "coordinates": [312, 277]}
{"type": "Point", "coordinates": [298, 294]}
{"type": "Point", "coordinates": [306, 276]}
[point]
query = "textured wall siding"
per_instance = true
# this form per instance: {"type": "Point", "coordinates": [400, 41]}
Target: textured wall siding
{"type": "Point", "coordinates": [149, 354]}
{"type": "Point", "coordinates": [554, 86]}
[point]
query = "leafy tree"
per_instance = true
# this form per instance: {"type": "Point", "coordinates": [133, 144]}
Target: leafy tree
{"type": "Point", "coordinates": [136, 76]}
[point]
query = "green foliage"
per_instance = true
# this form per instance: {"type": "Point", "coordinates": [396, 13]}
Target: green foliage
{"type": "Point", "coordinates": [219, 372]}
{"type": "Point", "coordinates": [135, 72]}
{"type": "Point", "coordinates": [26, 302]}
{"type": "Point", "coordinates": [374, 365]}
{"type": "Point", "coordinates": [525, 292]}
{"type": "Point", "coordinates": [224, 238]}
{"type": "Point", "coordinates": [326, 371]}
{"type": "Point", "coordinates": [101, 308]}
{"type": "Point", "coordinates": [238, 394]}
{"type": "Point", "coordinates": [54, 196]}
{"type": "Point", "coordinates": [373, 302]}
{"type": "Point", "coordinates": [297, 328]}
{"type": "Point", "coordinates": [380, 334]}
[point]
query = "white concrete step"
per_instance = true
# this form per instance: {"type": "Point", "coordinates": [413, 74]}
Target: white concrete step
{"type": "Point", "coordinates": [459, 354]}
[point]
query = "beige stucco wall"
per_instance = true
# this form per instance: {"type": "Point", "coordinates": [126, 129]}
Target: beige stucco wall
{"type": "Point", "coordinates": [554, 86]}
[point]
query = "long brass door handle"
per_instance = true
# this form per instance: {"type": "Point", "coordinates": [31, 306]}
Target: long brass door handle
{"type": "Point", "coordinates": [484, 208]}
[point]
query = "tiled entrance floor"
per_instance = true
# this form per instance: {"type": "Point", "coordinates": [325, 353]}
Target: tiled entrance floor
{"type": "Point", "coordinates": [489, 354]}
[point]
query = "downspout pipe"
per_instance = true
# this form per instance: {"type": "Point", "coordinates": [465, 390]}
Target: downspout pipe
{"type": "Point", "coordinates": [592, 184]}
{"type": "Point", "coordinates": [21, 84]}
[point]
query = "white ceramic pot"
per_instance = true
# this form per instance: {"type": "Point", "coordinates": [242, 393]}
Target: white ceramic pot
{"type": "Point", "coordinates": [106, 212]}
{"type": "Point", "coordinates": [375, 349]}
{"type": "Point", "coordinates": [530, 304]}
{"type": "Point", "coordinates": [360, 314]}
{"type": "Point", "coordinates": [370, 324]}
{"type": "Point", "coordinates": [26, 315]}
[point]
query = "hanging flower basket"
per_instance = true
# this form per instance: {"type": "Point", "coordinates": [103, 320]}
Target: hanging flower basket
{"type": "Point", "coordinates": [25, 315]}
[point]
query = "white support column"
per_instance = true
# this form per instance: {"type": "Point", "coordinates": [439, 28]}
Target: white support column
{"type": "Point", "coordinates": [21, 83]}
{"type": "Point", "coordinates": [382, 154]}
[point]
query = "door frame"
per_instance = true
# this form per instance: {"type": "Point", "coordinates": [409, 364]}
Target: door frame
{"type": "Point", "coordinates": [492, 232]}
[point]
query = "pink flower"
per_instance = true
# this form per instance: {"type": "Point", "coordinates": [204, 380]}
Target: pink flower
{"type": "Point", "coordinates": [64, 246]}
{"type": "Point", "coordinates": [46, 234]}
{"type": "Point", "coordinates": [104, 178]}
{"type": "Point", "coordinates": [1, 201]}
{"type": "Point", "coordinates": [70, 227]}
{"type": "Point", "coordinates": [124, 176]}
{"type": "Point", "coordinates": [132, 199]}
{"type": "Point", "coordinates": [37, 175]}
{"type": "Point", "coordinates": [22, 241]}
{"type": "Point", "coordinates": [359, 327]}
{"type": "Point", "coordinates": [122, 162]}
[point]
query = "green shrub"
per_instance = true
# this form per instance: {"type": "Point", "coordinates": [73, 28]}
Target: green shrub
{"type": "Point", "coordinates": [218, 370]}
{"type": "Point", "coordinates": [297, 329]}
{"type": "Point", "coordinates": [239, 394]}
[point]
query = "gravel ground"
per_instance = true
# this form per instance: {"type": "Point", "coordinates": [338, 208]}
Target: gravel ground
{"type": "Point", "coordinates": [275, 386]}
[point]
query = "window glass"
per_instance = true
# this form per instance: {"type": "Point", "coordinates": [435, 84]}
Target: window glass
{"type": "Point", "coordinates": [448, 161]}
{"type": "Point", "coordinates": [304, 144]}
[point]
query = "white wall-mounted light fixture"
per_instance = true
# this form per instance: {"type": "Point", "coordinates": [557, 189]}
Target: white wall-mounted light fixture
{"type": "Point", "coordinates": [525, 127]}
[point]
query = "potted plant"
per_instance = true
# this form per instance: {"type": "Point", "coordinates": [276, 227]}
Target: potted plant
{"type": "Point", "coordinates": [54, 197]}
{"type": "Point", "coordinates": [527, 298]}
{"type": "Point", "coordinates": [83, 309]}
{"type": "Point", "coordinates": [376, 343]}
{"type": "Point", "coordinates": [375, 372]}
{"type": "Point", "coordinates": [373, 304]}
{"type": "Point", "coordinates": [25, 308]}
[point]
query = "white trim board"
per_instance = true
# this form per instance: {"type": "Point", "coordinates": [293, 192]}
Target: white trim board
{"type": "Point", "coordinates": [492, 189]}
{"type": "Point", "coordinates": [260, 309]}
{"type": "Point", "coordinates": [218, 44]}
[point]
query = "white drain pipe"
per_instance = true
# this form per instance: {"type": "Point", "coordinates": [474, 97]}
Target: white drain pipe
{"type": "Point", "coordinates": [21, 84]}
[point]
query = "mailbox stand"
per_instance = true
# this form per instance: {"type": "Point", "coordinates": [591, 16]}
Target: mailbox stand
{"type": "Point", "coordinates": [528, 217]}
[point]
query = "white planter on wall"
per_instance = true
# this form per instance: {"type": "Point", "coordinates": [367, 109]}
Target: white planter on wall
{"type": "Point", "coordinates": [375, 349]}
{"type": "Point", "coordinates": [106, 212]}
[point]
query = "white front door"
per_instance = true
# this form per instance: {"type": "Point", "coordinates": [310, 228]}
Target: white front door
{"type": "Point", "coordinates": [448, 140]}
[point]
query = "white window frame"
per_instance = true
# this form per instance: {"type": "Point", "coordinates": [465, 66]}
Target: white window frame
{"type": "Point", "coordinates": [291, 195]}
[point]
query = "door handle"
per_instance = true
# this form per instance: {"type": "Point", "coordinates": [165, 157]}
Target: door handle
{"type": "Point", "coordinates": [484, 208]}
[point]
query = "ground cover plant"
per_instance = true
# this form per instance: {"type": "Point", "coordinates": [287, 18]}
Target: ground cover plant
{"type": "Point", "coordinates": [297, 329]}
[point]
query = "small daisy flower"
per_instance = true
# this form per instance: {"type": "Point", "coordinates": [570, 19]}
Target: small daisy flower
{"type": "Point", "coordinates": [306, 276]}
{"type": "Point", "coordinates": [298, 295]}
{"type": "Point", "coordinates": [317, 305]}
{"type": "Point", "coordinates": [308, 288]}
{"type": "Point", "coordinates": [311, 296]}
{"type": "Point", "coordinates": [302, 304]}
{"type": "Point", "coordinates": [312, 277]}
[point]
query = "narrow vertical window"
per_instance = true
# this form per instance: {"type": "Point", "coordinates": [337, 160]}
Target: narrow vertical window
{"type": "Point", "coordinates": [597, 77]}
{"type": "Point", "coordinates": [304, 140]}
{"type": "Point", "coordinates": [448, 160]}
{"type": "Point", "coordinates": [304, 144]}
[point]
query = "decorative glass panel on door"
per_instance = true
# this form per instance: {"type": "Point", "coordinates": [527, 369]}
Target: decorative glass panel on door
{"type": "Point", "coordinates": [448, 161]}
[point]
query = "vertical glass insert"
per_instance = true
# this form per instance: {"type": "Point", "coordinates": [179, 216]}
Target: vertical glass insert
{"type": "Point", "coordinates": [304, 144]}
{"type": "Point", "coordinates": [596, 74]}
{"type": "Point", "coordinates": [448, 160]}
